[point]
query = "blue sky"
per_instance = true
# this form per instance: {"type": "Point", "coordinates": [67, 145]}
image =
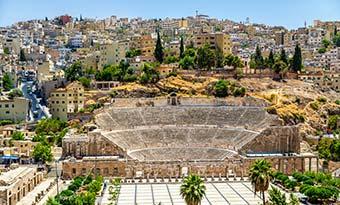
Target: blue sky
{"type": "Point", "coordinates": [289, 13]}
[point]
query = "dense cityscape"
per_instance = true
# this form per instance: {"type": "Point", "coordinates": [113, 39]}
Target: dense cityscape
{"type": "Point", "coordinates": [192, 110]}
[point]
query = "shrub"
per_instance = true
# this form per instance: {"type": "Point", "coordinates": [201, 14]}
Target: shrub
{"type": "Point", "coordinates": [17, 136]}
{"type": "Point", "coordinates": [239, 92]}
{"type": "Point", "coordinates": [314, 105]}
{"type": "Point", "coordinates": [322, 99]}
{"type": "Point", "coordinates": [6, 122]}
{"type": "Point", "coordinates": [221, 88]}
{"type": "Point", "coordinates": [337, 102]}
{"type": "Point", "coordinates": [332, 121]}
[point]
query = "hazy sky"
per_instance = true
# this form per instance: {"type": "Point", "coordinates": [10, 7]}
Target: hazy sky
{"type": "Point", "coordinates": [289, 13]}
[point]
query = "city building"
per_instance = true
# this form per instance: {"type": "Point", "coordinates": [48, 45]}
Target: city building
{"type": "Point", "coordinates": [15, 109]}
{"type": "Point", "coordinates": [66, 100]}
{"type": "Point", "coordinates": [219, 41]}
{"type": "Point", "coordinates": [17, 183]}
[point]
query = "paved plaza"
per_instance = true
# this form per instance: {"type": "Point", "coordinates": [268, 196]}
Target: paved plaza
{"type": "Point", "coordinates": [217, 193]}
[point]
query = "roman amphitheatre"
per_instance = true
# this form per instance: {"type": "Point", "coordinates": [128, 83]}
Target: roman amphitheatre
{"type": "Point", "coordinates": [173, 136]}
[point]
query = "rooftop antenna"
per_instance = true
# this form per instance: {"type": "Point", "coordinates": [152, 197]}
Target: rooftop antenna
{"type": "Point", "coordinates": [196, 13]}
{"type": "Point", "coordinates": [305, 24]}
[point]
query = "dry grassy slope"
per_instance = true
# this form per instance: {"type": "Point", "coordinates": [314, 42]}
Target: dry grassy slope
{"type": "Point", "coordinates": [293, 99]}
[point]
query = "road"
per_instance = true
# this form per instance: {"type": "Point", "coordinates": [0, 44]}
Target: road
{"type": "Point", "coordinates": [35, 106]}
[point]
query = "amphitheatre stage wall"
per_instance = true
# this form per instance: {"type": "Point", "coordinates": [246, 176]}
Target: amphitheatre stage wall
{"type": "Point", "coordinates": [133, 169]}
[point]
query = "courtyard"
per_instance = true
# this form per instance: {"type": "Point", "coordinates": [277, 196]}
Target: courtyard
{"type": "Point", "coordinates": [217, 193]}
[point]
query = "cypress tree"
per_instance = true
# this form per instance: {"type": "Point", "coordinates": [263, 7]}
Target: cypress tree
{"type": "Point", "coordinates": [271, 59]}
{"type": "Point", "coordinates": [297, 59]}
{"type": "Point", "coordinates": [283, 56]}
{"type": "Point", "coordinates": [335, 31]}
{"type": "Point", "coordinates": [181, 49]}
{"type": "Point", "coordinates": [159, 55]}
{"type": "Point", "coordinates": [22, 56]}
{"type": "Point", "coordinates": [258, 58]}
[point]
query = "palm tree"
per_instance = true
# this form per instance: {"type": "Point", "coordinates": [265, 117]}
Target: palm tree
{"type": "Point", "coordinates": [192, 190]}
{"type": "Point", "coordinates": [260, 175]}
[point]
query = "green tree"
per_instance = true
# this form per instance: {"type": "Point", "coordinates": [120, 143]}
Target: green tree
{"type": "Point", "coordinates": [17, 136]}
{"type": "Point", "coordinates": [7, 82]}
{"type": "Point", "coordinates": [205, 58]}
{"type": "Point", "coordinates": [233, 61]}
{"type": "Point", "coordinates": [159, 54]}
{"type": "Point", "coordinates": [270, 59]}
{"type": "Point", "coordinates": [260, 175]}
{"type": "Point", "coordinates": [221, 88]}
{"type": "Point", "coordinates": [170, 59]}
{"type": "Point", "coordinates": [181, 48]}
{"type": "Point", "coordinates": [52, 201]}
{"type": "Point", "coordinates": [6, 51]}
{"type": "Point", "coordinates": [280, 68]}
{"type": "Point", "coordinates": [283, 56]}
{"type": "Point", "coordinates": [219, 58]}
{"type": "Point", "coordinates": [190, 52]}
{"type": "Point", "coordinates": [192, 190]}
{"type": "Point", "coordinates": [74, 72]}
{"type": "Point", "coordinates": [22, 56]}
{"type": "Point", "coordinates": [133, 53]}
{"type": "Point", "coordinates": [296, 64]}
{"type": "Point", "coordinates": [149, 74]}
{"type": "Point", "coordinates": [86, 82]}
{"type": "Point", "coordinates": [336, 40]}
{"type": "Point", "coordinates": [42, 153]}
{"type": "Point", "coordinates": [258, 58]}
{"type": "Point", "coordinates": [50, 126]}
{"type": "Point", "coordinates": [89, 198]}
{"type": "Point", "coordinates": [187, 62]}
{"type": "Point", "coordinates": [322, 50]}
{"type": "Point", "coordinates": [325, 43]}
{"type": "Point", "coordinates": [15, 93]}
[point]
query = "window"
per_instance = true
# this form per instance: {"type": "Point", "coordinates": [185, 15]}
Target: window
{"type": "Point", "coordinates": [74, 171]}
{"type": "Point", "coordinates": [57, 95]}
{"type": "Point", "coordinates": [7, 112]}
{"type": "Point", "coordinates": [63, 102]}
{"type": "Point", "coordinates": [106, 171]}
{"type": "Point", "coordinates": [6, 105]}
{"type": "Point", "coordinates": [115, 171]}
{"type": "Point", "coordinates": [12, 105]}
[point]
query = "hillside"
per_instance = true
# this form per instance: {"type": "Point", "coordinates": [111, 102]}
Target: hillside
{"type": "Point", "coordinates": [294, 101]}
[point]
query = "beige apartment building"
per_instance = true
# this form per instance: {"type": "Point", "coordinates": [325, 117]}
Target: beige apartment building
{"type": "Point", "coordinates": [145, 43]}
{"type": "Point", "coordinates": [16, 109]}
{"type": "Point", "coordinates": [219, 41]}
{"type": "Point", "coordinates": [17, 183]}
{"type": "Point", "coordinates": [66, 100]}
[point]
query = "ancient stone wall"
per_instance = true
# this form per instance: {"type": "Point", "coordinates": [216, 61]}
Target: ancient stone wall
{"type": "Point", "coordinates": [94, 144]}
{"type": "Point", "coordinates": [276, 139]}
{"type": "Point", "coordinates": [133, 169]}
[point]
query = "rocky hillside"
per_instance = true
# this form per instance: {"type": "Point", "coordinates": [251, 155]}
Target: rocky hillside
{"type": "Point", "coordinates": [294, 101]}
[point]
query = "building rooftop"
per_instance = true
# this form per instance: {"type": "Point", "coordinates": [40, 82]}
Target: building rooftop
{"type": "Point", "coordinates": [10, 177]}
